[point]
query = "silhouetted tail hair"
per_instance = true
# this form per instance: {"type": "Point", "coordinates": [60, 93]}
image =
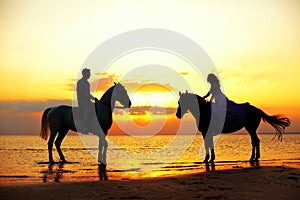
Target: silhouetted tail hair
{"type": "Point", "coordinates": [278, 122]}
{"type": "Point", "coordinates": [44, 125]}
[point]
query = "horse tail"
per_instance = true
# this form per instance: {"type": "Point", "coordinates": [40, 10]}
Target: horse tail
{"type": "Point", "coordinates": [45, 125]}
{"type": "Point", "coordinates": [278, 122]}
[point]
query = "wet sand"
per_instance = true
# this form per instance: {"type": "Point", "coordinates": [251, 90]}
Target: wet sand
{"type": "Point", "coordinates": [267, 182]}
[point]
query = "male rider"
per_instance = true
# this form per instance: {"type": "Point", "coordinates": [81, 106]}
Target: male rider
{"type": "Point", "coordinates": [84, 98]}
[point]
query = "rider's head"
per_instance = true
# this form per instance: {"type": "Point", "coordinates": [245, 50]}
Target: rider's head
{"type": "Point", "coordinates": [212, 79]}
{"type": "Point", "coordinates": [86, 73]}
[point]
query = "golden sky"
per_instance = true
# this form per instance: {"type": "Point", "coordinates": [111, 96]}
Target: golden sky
{"type": "Point", "coordinates": [255, 46]}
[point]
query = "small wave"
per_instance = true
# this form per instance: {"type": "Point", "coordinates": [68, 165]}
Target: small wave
{"type": "Point", "coordinates": [44, 163]}
{"type": "Point", "coordinates": [125, 170]}
{"type": "Point", "coordinates": [15, 176]}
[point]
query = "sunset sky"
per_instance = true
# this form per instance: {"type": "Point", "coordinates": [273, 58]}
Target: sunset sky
{"type": "Point", "coordinates": [255, 46]}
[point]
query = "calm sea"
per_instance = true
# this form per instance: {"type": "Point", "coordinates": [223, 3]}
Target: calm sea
{"type": "Point", "coordinates": [24, 158]}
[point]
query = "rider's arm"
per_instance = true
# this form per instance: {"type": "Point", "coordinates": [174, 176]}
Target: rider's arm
{"type": "Point", "coordinates": [83, 91]}
{"type": "Point", "coordinates": [208, 93]}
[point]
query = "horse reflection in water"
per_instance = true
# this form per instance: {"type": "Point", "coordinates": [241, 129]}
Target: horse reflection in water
{"type": "Point", "coordinates": [60, 120]}
{"type": "Point", "coordinates": [200, 108]}
{"type": "Point", "coordinates": [54, 173]}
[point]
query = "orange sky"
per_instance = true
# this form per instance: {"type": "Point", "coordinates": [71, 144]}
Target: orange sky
{"type": "Point", "coordinates": [254, 45]}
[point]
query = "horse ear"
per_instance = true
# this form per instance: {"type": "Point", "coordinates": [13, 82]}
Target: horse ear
{"type": "Point", "coordinates": [115, 83]}
{"type": "Point", "coordinates": [180, 93]}
{"type": "Point", "coordinates": [186, 91]}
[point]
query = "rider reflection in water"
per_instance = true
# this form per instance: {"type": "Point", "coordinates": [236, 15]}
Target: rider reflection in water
{"type": "Point", "coordinates": [84, 98]}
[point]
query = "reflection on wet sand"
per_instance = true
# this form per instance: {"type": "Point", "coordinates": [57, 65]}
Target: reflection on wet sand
{"type": "Point", "coordinates": [102, 171]}
{"type": "Point", "coordinates": [254, 163]}
{"type": "Point", "coordinates": [54, 174]}
{"type": "Point", "coordinates": [60, 172]}
{"type": "Point", "coordinates": [210, 166]}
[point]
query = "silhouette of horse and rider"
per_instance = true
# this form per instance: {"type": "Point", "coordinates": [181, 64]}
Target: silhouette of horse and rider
{"type": "Point", "coordinates": [62, 118]}
{"type": "Point", "coordinates": [219, 115]}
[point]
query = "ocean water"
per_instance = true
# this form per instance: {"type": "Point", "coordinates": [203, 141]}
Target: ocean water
{"type": "Point", "coordinates": [24, 158]}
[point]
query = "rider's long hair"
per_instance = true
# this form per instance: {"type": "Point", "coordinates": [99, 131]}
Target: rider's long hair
{"type": "Point", "coordinates": [213, 79]}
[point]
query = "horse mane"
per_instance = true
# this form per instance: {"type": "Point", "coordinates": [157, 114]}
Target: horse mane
{"type": "Point", "coordinates": [200, 99]}
{"type": "Point", "coordinates": [107, 92]}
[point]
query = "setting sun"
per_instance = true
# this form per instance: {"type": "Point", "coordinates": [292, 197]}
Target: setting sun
{"type": "Point", "coordinates": [257, 61]}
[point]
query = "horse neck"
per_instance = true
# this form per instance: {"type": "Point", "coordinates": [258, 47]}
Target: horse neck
{"type": "Point", "coordinates": [200, 109]}
{"type": "Point", "coordinates": [107, 96]}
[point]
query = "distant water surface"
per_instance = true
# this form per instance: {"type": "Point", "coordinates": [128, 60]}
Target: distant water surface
{"type": "Point", "coordinates": [24, 158]}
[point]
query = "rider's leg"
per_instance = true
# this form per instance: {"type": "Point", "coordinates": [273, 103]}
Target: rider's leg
{"type": "Point", "coordinates": [86, 119]}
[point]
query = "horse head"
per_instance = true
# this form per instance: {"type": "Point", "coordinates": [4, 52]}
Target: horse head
{"type": "Point", "coordinates": [120, 94]}
{"type": "Point", "coordinates": [189, 102]}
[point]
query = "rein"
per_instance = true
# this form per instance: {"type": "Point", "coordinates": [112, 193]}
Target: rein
{"type": "Point", "coordinates": [107, 104]}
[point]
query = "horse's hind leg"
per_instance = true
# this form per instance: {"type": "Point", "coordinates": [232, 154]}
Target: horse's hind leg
{"type": "Point", "coordinates": [252, 123]}
{"type": "Point", "coordinates": [255, 155]}
{"type": "Point", "coordinates": [50, 145]}
{"type": "Point", "coordinates": [58, 142]}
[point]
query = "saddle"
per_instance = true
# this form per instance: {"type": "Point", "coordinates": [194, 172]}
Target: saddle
{"type": "Point", "coordinates": [235, 116]}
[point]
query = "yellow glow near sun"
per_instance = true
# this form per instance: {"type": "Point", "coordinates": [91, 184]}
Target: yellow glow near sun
{"type": "Point", "coordinates": [160, 99]}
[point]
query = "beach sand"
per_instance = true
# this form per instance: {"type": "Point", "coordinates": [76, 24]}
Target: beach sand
{"type": "Point", "coordinates": [268, 182]}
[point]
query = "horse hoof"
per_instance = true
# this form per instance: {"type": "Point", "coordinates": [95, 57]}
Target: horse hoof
{"type": "Point", "coordinates": [63, 161]}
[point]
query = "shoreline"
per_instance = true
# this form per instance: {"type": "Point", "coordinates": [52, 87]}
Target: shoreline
{"type": "Point", "coordinates": [121, 134]}
{"type": "Point", "coordinates": [260, 182]}
{"type": "Point", "coordinates": [65, 173]}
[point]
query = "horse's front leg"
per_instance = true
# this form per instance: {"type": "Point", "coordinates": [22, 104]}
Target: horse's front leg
{"type": "Point", "coordinates": [209, 146]}
{"type": "Point", "coordinates": [206, 150]}
{"type": "Point", "coordinates": [212, 157]}
{"type": "Point", "coordinates": [102, 158]}
{"type": "Point", "coordinates": [102, 150]}
{"type": "Point", "coordinates": [257, 156]}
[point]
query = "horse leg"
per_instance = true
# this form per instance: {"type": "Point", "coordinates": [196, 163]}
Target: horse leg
{"type": "Point", "coordinates": [102, 149]}
{"type": "Point", "coordinates": [102, 157]}
{"type": "Point", "coordinates": [208, 142]}
{"type": "Point", "coordinates": [255, 147]}
{"type": "Point", "coordinates": [206, 152]}
{"type": "Point", "coordinates": [253, 118]}
{"type": "Point", "coordinates": [50, 145]}
{"type": "Point", "coordinates": [212, 150]}
{"type": "Point", "coordinates": [252, 153]}
{"type": "Point", "coordinates": [58, 142]}
{"type": "Point", "coordinates": [212, 157]}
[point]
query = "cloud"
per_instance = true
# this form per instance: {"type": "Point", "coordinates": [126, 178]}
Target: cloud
{"type": "Point", "coordinates": [142, 110]}
{"type": "Point", "coordinates": [104, 82]}
{"type": "Point", "coordinates": [147, 86]}
{"type": "Point", "coordinates": [23, 117]}
{"type": "Point", "coordinates": [101, 83]}
{"type": "Point", "coordinates": [184, 73]}
{"type": "Point", "coordinates": [31, 106]}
